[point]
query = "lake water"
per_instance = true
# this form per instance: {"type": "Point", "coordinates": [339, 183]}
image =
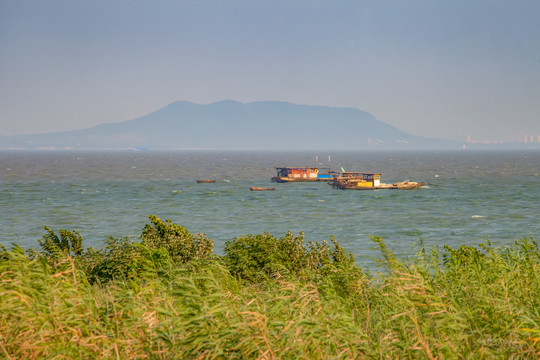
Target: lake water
{"type": "Point", "coordinates": [472, 196]}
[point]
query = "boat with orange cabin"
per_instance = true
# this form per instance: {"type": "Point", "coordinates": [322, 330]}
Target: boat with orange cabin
{"type": "Point", "coordinates": [369, 181]}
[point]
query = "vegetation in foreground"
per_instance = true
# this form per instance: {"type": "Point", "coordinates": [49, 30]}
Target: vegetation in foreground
{"type": "Point", "coordinates": [168, 296]}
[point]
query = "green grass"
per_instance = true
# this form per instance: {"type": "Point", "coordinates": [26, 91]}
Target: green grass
{"type": "Point", "coordinates": [168, 296]}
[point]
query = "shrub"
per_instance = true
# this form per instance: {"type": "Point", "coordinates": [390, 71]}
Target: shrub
{"type": "Point", "coordinates": [68, 244]}
{"type": "Point", "coordinates": [118, 260]}
{"type": "Point", "coordinates": [181, 245]}
{"type": "Point", "coordinates": [258, 257]}
{"type": "Point", "coordinates": [4, 254]}
{"type": "Point", "coordinates": [163, 243]}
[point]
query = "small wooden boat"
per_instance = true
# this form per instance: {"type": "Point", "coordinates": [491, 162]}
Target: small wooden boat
{"type": "Point", "coordinates": [261, 188]}
{"type": "Point", "coordinates": [205, 181]}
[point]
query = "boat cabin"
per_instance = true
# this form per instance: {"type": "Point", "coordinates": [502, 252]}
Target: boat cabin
{"type": "Point", "coordinates": [298, 172]}
{"type": "Point", "coordinates": [363, 180]}
{"type": "Point", "coordinates": [370, 180]}
{"type": "Point", "coordinates": [291, 174]}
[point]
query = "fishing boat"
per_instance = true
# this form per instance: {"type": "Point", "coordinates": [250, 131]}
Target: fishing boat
{"type": "Point", "coordinates": [261, 188]}
{"type": "Point", "coordinates": [301, 174]}
{"type": "Point", "coordinates": [369, 181]}
{"type": "Point", "coordinates": [205, 181]}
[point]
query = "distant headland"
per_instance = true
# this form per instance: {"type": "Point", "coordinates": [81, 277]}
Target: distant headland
{"type": "Point", "coordinates": [231, 125]}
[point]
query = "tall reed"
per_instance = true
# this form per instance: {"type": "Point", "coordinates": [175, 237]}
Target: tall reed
{"type": "Point", "coordinates": [310, 301]}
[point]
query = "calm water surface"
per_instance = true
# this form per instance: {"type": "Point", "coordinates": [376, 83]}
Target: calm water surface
{"type": "Point", "coordinates": [472, 196]}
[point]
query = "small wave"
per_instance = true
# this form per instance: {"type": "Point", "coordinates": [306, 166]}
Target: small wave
{"type": "Point", "coordinates": [477, 216]}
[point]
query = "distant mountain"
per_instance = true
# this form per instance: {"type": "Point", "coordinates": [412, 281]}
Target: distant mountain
{"type": "Point", "coordinates": [230, 125]}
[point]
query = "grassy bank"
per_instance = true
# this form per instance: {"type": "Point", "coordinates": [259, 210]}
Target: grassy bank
{"type": "Point", "coordinates": [167, 296]}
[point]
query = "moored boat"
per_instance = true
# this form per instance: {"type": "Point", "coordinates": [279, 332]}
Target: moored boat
{"type": "Point", "coordinates": [370, 181]}
{"type": "Point", "coordinates": [253, 188]}
{"type": "Point", "coordinates": [206, 181]}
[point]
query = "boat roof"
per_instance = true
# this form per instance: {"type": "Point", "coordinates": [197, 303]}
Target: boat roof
{"type": "Point", "coordinates": [300, 167]}
{"type": "Point", "coordinates": [357, 173]}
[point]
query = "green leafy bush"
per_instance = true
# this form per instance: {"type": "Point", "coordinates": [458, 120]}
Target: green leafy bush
{"type": "Point", "coordinates": [181, 245]}
{"type": "Point", "coordinates": [119, 259]}
{"type": "Point", "coordinates": [257, 257]}
{"type": "Point", "coordinates": [69, 243]}
{"type": "Point", "coordinates": [163, 243]}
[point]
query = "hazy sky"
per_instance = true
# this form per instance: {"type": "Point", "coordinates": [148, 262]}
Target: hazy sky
{"type": "Point", "coordinates": [433, 68]}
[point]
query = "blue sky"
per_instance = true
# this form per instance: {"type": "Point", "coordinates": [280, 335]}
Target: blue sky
{"type": "Point", "coordinates": [441, 69]}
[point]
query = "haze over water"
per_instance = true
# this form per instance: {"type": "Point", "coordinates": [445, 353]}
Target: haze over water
{"type": "Point", "coordinates": [472, 196]}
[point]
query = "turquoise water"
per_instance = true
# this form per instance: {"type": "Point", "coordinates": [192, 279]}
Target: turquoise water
{"type": "Point", "coordinates": [471, 196]}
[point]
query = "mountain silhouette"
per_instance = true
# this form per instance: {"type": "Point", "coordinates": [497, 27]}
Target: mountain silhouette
{"type": "Point", "coordinates": [231, 125]}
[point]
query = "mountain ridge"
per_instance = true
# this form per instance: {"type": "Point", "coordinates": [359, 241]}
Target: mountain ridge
{"type": "Point", "coordinates": [231, 125]}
